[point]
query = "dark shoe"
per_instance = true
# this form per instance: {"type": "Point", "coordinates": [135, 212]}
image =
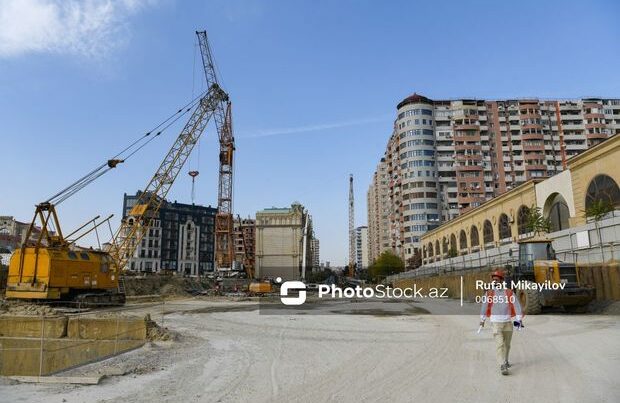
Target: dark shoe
{"type": "Point", "coordinates": [507, 364]}
{"type": "Point", "coordinates": [504, 369]}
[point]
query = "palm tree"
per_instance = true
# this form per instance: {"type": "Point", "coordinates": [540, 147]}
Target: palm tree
{"type": "Point", "coordinates": [536, 222]}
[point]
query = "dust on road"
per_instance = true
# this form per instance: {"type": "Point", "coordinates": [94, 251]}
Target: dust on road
{"type": "Point", "coordinates": [229, 352]}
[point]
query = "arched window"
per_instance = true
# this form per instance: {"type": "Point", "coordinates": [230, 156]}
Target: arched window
{"type": "Point", "coordinates": [473, 236]}
{"type": "Point", "coordinates": [604, 188]}
{"type": "Point", "coordinates": [452, 242]}
{"type": "Point", "coordinates": [424, 252]}
{"type": "Point", "coordinates": [430, 249]}
{"type": "Point", "coordinates": [558, 214]}
{"type": "Point", "coordinates": [463, 240]}
{"type": "Point", "coordinates": [504, 227]}
{"type": "Point", "coordinates": [437, 249]}
{"type": "Point", "coordinates": [487, 232]}
{"type": "Point", "coordinates": [522, 217]}
{"type": "Point", "coordinates": [445, 245]}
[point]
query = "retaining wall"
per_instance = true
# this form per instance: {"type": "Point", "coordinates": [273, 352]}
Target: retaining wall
{"type": "Point", "coordinates": [65, 342]}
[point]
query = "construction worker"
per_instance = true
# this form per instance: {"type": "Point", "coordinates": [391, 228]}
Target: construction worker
{"type": "Point", "coordinates": [501, 305]}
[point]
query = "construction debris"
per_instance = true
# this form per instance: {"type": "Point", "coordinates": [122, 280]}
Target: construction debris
{"type": "Point", "coordinates": [154, 332]}
{"type": "Point", "coordinates": [23, 309]}
{"type": "Point", "coordinates": [167, 286]}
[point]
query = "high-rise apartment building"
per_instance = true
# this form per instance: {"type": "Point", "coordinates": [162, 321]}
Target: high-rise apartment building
{"type": "Point", "coordinates": [445, 157]}
{"type": "Point", "coordinates": [361, 247]}
{"type": "Point", "coordinates": [378, 211]}
{"type": "Point", "coordinates": [316, 253]}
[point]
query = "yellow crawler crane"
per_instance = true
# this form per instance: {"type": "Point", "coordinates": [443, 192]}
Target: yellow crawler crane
{"type": "Point", "coordinates": [49, 266]}
{"type": "Point", "coordinates": [52, 268]}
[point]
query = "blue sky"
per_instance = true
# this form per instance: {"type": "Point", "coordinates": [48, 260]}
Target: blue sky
{"type": "Point", "coordinates": [314, 86]}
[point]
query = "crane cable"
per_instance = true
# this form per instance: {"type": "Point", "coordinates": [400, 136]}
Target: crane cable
{"type": "Point", "coordinates": [81, 183]}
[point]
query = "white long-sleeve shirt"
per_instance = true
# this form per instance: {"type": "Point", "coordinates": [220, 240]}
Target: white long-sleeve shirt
{"type": "Point", "coordinates": [503, 304]}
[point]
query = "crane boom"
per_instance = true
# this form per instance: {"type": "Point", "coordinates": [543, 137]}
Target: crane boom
{"type": "Point", "coordinates": [224, 244]}
{"type": "Point", "coordinates": [136, 224]}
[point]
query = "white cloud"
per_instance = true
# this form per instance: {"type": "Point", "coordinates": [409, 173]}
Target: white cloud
{"type": "Point", "coordinates": [90, 28]}
{"type": "Point", "coordinates": [317, 127]}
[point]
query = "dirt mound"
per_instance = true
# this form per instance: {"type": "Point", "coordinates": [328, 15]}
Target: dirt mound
{"type": "Point", "coordinates": [28, 310]}
{"type": "Point", "coordinates": [154, 332]}
{"type": "Point", "coordinates": [166, 285]}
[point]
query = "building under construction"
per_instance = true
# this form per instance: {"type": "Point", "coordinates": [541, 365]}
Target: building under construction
{"type": "Point", "coordinates": [244, 236]}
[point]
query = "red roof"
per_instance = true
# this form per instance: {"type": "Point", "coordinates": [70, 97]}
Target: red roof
{"type": "Point", "coordinates": [414, 99]}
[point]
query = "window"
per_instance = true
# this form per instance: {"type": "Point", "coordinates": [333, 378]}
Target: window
{"type": "Point", "coordinates": [504, 227]}
{"type": "Point", "coordinates": [72, 255]}
{"type": "Point", "coordinates": [487, 232]}
{"type": "Point", "coordinates": [84, 256]}
{"type": "Point", "coordinates": [522, 217]}
{"type": "Point", "coordinates": [558, 214]}
{"type": "Point", "coordinates": [463, 240]}
{"type": "Point", "coordinates": [604, 188]}
{"type": "Point", "coordinates": [473, 236]}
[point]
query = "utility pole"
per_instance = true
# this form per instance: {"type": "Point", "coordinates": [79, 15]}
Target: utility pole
{"type": "Point", "coordinates": [351, 229]}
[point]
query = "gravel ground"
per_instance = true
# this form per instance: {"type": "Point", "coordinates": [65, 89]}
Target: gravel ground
{"type": "Point", "coordinates": [228, 352]}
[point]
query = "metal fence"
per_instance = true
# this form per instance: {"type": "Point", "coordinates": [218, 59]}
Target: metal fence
{"type": "Point", "coordinates": [506, 257]}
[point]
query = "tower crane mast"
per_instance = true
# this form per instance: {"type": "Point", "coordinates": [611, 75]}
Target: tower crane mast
{"type": "Point", "coordinates": [351, 229]}
{"type": "Point", "coordinates": [224, 246]}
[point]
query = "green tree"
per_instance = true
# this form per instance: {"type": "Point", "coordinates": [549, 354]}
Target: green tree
{"type": "Point", "coordinates": [414, 261]}
{"type": "Point", "coordinates": [536, 222]}
{"type": "Point", "coordinates": [599, 209]}
{"type": "Point", "coordinates": [386, 264]}
{"type": "Point", "coordinates": [318, 276]}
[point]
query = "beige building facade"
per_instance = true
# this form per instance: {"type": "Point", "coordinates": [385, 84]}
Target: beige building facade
{"type": "Point", "coordinates": [563, 199]}
{"type": "Point", "coordinates": [379, 207]}
{"type": "Point", "coordinates": [283, 242]}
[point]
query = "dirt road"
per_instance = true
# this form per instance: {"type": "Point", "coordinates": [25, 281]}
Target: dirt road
{"type": "Point", "coordinates": [237, 355]}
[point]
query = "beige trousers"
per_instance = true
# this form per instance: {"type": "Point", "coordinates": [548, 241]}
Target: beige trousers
{"type": "Point", "coordinates": [502, 333]}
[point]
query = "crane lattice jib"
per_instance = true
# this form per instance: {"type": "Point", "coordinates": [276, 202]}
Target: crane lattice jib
{"type": "Point", "coordinates": [224, 252]}
{"type": "Point", "coordinates": [140, 218]}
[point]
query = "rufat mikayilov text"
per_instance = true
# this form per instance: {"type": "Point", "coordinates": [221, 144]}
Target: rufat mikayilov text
{"type": "Point", "coordinates": [519, 285]}
{"type": "Point", "coordinates": [381, 291]}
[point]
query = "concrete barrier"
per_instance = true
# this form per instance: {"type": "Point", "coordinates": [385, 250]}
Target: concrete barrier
{"type": "Point", "coordinates": [22, 356]}
{"type": "Point", "coordinates": [31, 326]}
{"type": "Point", "coordinates": [106, 328]}
{"type": "Point", "coordinates": [66, 342]}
